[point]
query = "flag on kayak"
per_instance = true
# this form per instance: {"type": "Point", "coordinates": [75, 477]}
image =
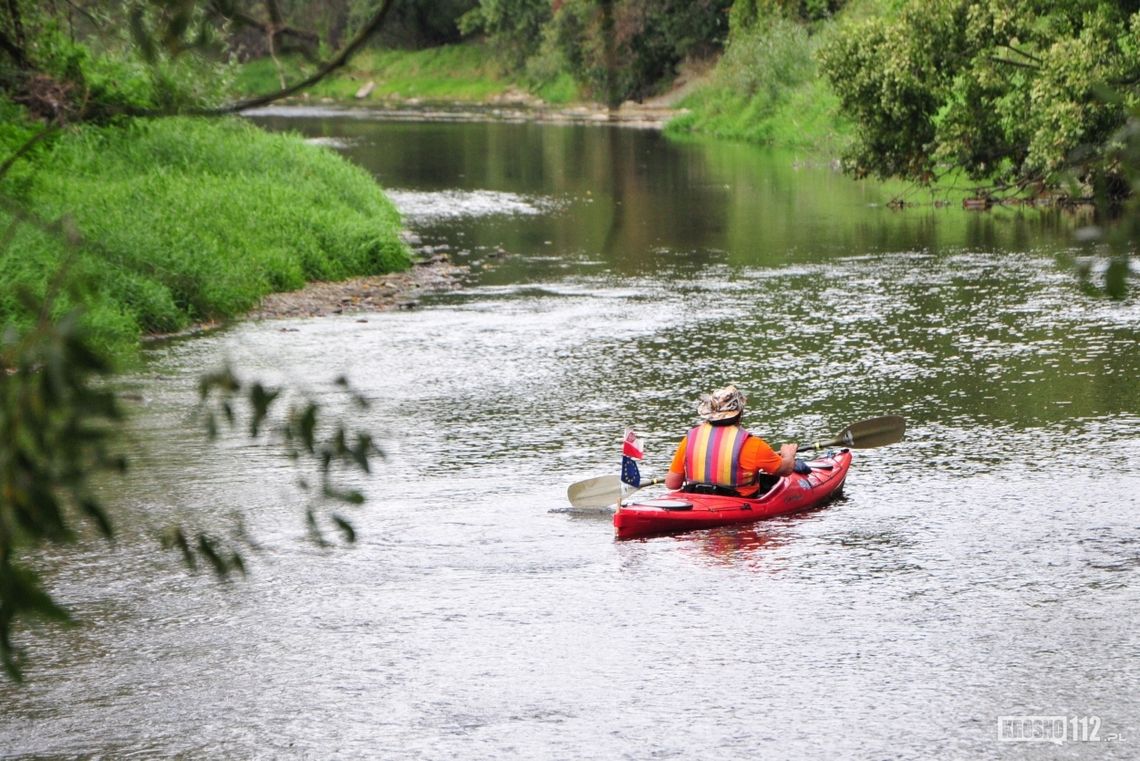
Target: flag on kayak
{"type": "Point", "coordinates": [629, 472]}
{"type": "Point", "coordinates": [632, 447]}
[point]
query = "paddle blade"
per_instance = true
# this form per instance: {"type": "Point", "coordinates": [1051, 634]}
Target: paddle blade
{"type": "Point", "coordinates": [875, 432]}
{"type": "Point", "coordinates": [595, 492]}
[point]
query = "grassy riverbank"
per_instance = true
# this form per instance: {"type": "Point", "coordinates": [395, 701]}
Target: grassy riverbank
{"type": "Point", "coordinates": [764, 90]}
{"type": "Point", "coordinates": [467, 72]}
{"type": "Point", "coordinates": [767, 89]}
{"type": "Point", "coordinates": [184, 221]}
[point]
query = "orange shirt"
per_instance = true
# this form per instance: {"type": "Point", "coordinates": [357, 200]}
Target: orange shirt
{"type": "Point", "coordinates": [756, 455]}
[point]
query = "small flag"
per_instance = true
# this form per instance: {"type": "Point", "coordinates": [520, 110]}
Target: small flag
{"type": "Point", "coordinates": [632, 447]}
{"type": "Point", "coordinates": [629, 472]}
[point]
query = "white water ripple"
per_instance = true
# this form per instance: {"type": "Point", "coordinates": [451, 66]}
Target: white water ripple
{"type": "Point", "coordinates": [428, 206]}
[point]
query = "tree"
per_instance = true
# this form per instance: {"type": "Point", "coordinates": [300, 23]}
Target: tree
{"type": "Point", "coordinates": [625, 49]}
{"type": "Point", "coordinates": [514, 26]}
{"type": "Point", "coordinates": [57, 415]}
{"type": "Point", "coordinates": [169, 58]}
{"type": "Point", "coordinates": [1005, 90]}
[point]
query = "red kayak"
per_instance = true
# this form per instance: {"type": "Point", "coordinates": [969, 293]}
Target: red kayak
{"type": "Point", "coordinates": [686, 511]}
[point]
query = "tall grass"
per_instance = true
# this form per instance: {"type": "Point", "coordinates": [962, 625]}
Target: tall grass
{"type": "Point", "coordinates": [184, 221]}
{"type": "Point", "coordinates": [465, 72]}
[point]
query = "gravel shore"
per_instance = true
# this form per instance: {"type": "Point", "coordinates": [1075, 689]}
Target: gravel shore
{"type": "Point", "coordinates": [378, 293]}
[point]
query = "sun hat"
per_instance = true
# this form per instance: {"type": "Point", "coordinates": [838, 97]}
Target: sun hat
{"type": "Point", "coordinates": [722, 404]}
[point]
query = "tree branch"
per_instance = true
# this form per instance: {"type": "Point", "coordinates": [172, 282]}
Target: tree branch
{"type": "Point", "coordinates": [17, 24]}
{"type": "Point", "coordinates": [1030, 56]}
{"type": "Point", "coordinates": [307, 42]}
{"type": "Point", "coordinates": [274, 12]}
{"type": "Point", "coordinates": [1019, 64]}
{"type": "Point", "coordinates": [14, 51]}
{"type": "Point", "coordinates": [338, 61]}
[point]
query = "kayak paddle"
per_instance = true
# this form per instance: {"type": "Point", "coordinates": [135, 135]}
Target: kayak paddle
{"type": "Point", "coordinates": [866, 434]}
{"type": "Point", "coordinates": [602, 491]}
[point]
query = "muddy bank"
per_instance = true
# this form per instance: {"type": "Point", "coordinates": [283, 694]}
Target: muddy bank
{"type": "Point", "coordinates": [431, 272]}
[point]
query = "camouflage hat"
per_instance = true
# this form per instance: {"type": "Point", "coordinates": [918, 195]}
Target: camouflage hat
{"type": "Point", "coordinates": [721, 404]}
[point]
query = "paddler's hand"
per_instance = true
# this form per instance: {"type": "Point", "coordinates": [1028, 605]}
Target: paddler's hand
{"type": "Point", "coordinates": [788, 459]}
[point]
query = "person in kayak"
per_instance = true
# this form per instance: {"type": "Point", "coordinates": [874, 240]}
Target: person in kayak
{"type": "Point", "coordinates": [718, 456]}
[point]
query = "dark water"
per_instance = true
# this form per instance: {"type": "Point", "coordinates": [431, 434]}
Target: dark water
{"type": "Point", "coordinates": [985, 567]}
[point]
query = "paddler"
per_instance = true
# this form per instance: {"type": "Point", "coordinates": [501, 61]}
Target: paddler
{"type": "Point", "coordinates": [718, 456]}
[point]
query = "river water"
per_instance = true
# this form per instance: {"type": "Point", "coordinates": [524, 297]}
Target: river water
{"type": "Point", "coordinates": [986, 567]}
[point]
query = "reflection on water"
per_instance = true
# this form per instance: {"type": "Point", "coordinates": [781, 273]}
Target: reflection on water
{"type": "Point", "coordinates": [984, 567]}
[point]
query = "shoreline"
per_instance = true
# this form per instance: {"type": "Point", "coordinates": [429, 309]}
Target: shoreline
{"type": "Point", "coordinates": [430, 272]}
{"type": "Point", "coordinates": [630, 115]}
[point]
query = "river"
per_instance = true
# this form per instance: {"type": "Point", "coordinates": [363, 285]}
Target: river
{"type": "Point", "coordinates": [986, 567]}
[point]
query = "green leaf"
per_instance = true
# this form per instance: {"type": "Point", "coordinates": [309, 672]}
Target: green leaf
{"type": "Point", "coordinates": [207, 549]}
{"type": "Point", "coordinates": [96, 513]}
{"type": "Point", "coordinates": [22, 592]}
{"type": "Point", "coordinates": [345, 528]}
{"type": "Point", "coordinates": [260, 398]}
{"type": "Point", "coordinates": [1116, 278]}
{"type": "Point", "coordinates": [175, 538]}
{"type": "Point", "coordinates": [347, 496]}
{"type": "Point", "coordinates": [315, 533]}
{"type": "Point", "coordinates": [306, 426]}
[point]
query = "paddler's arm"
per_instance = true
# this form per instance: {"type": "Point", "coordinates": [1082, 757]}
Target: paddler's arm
{"type": "Point", "coordinates": [675, 478]}
{"type": "Point", "coordinates": [787, 459]}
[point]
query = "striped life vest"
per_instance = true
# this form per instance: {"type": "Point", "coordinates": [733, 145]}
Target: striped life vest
{"type": "Point", "coordinates": [712, 456]}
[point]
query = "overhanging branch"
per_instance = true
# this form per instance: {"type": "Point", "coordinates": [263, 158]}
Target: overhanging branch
{"type": "Point", "coordinates": [332, 65]}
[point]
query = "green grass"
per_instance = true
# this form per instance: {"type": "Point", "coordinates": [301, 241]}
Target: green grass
{"type": "Point", "coordinates": [561, 90]}
{"type": "Point", "coordinates": [466, 72]}
{"type": "Point", "coordinates": [185, 221]}
{"type": "Point", "coordinates": [804, 118]}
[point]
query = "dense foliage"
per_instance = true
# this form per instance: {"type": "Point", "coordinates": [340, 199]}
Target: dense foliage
{"type": "Point", "coordinates": [86, 67]}
{"type": "Point", "coordinates": [765, 88]}
{"type": "Point", "coordinates": [616, 49]}
{"type": "Point", "coordinates": [1013, 90]}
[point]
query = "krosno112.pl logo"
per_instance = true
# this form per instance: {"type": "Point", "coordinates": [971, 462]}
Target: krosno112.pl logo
{"type": "Point", "coordinates": [1053, 729]}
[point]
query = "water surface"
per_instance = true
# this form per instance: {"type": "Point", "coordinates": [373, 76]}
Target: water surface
{"type": "Point", "coordinates": [985, 567]}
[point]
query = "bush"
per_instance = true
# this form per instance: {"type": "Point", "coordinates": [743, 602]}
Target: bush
{"type": "Point", "coordinates": [1006, 91]}
{"type": "Point", "coordinates": [766, 90]}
